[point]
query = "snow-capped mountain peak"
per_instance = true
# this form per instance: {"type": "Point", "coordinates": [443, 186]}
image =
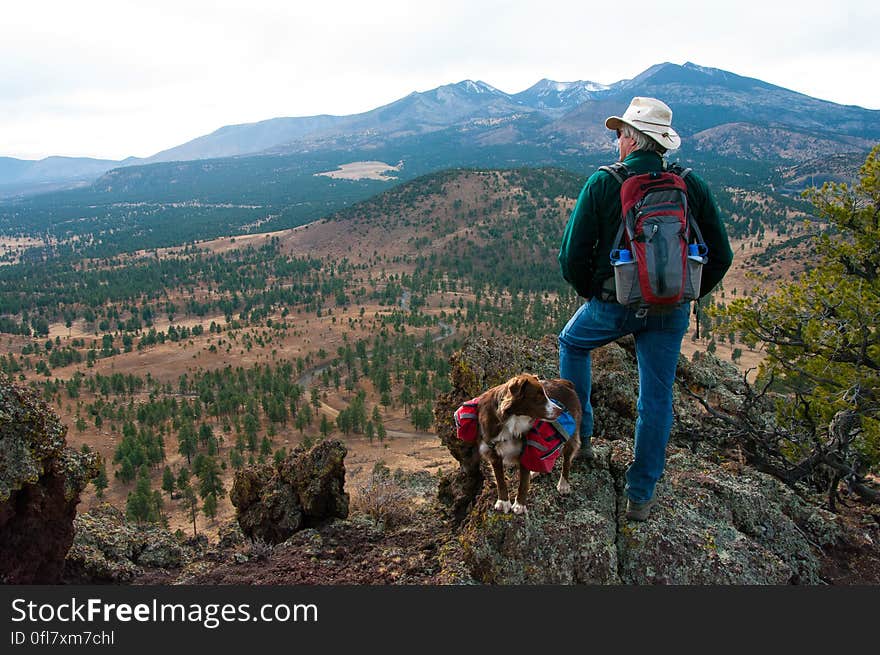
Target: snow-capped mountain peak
{"type": "Point", "coordinates": [478, 87]}
{"type": "Point", "coordinates": [553, 95]}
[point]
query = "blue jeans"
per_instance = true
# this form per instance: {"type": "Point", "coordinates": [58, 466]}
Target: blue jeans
{"type": "Point", "coordinates": [658, 343]}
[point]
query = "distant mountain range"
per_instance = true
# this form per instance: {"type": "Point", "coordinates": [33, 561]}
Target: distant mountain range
{"type": "Point", "coordinates": [51, 173]}
{"type": "Point", "coordinates": [718, 113]}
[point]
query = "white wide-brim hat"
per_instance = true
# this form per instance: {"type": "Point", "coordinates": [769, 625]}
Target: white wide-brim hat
{"type": "Point", "coordinates": [650, 116]}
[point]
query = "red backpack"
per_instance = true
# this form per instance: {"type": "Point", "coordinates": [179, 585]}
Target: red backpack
{"type": "Point", "coordinates": [467, 427]}
{"type": "Point", "coordinates": [653, 259]}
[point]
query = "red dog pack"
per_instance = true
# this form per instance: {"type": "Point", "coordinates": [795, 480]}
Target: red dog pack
{"type": "Point", "coordinates": [467, 427]}
{"type": "Point", "coordinates": [542, 447]}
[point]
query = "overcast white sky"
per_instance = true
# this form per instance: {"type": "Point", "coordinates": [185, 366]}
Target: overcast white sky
{"type": "Point", "coordinates": [118, 78]}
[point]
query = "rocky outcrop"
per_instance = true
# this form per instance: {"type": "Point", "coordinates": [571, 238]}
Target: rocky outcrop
{"type": "Point", "coordinates": [717, 521]}
{"type": "Point", "coordinates": [109, 549]}
{"type": "Point", "coordinates": [40, 484]}
{"type": "Point", "coordinates": [711, 526]}
{"type": "Point", "coordinates": [275, 500]}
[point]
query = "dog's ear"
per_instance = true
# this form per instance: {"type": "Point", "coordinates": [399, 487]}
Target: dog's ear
{"type": "Point", "coordinates": [516, 387]}
{"type": "Point", "coordinates": [511, 393]}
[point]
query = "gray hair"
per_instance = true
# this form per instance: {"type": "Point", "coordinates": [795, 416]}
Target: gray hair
{"type": "Point", "coordinates": [643, 141]}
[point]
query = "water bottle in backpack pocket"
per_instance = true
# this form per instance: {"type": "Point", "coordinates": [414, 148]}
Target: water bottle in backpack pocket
{"type": "Point", "coordinates": [626, 277]}
{"type": "Point", "coordinates": [697, 257]}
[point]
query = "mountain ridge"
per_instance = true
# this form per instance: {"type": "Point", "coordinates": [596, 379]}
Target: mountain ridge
{"type": "Point", "coordinates": [549, 117]}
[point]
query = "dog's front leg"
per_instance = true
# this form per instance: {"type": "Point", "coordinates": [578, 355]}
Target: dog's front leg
{"type": "Point", "coordinates": [503, 502]}
{"type": "Point", "coordinates": [570, 449]}
{"type": "Point", "coordinates": [522, 492]}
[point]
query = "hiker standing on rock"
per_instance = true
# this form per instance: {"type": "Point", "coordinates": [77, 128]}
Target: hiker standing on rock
{"type": "Point", "coordinates": [593, 236]}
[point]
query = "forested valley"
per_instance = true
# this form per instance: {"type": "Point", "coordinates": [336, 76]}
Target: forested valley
{"type": "Point", "coordinates": [179, 364]}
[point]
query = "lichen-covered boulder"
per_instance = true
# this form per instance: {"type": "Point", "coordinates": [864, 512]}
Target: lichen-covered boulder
{"type": "Point", "coordinates": [319, 478]}
{"type": "Point", "coordinates": [273, 501]}
{"type": "Point", "coordinates": [710, 527]}
{"type": "Point", "coordinates": [40, 484]}
{"type": "Point", "coordinates": [109, 549]}
{"type": "Point", "coordinates": [562, 540]}
{"type": "Point", "coordinates": [714, 526]}
{"type": "Point", "coordinates": [615, 390]}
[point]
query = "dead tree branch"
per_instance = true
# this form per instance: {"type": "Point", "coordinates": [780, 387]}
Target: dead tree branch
{"type": "Point", "coordinates": [824, 462]}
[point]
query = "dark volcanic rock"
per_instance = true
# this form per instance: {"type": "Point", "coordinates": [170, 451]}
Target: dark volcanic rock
{"type": "Point", "coordinates": [274, 501]}
{"type": "Point", "coordinates": [108, 549]}
{"type": "Point", "coordinates": [40, 483]}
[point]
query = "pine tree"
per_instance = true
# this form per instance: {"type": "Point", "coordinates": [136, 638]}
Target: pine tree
{"type": "Point", "coordinates": [209, 507]}
{"type": "Point", "coordinates": [306, 413]}
{"type": "Point", "coordinates": [343, 421]}
{"type": "Point", "coordinates": [141, 505]}
{"type": "Point", "coordinates": [183, 478]}
{"type": "Point", "coordinates": [406, 399]}
{"type": "Point", "coordinates": [168, 481]}
{"type": "Point", "coordinates": [126, 472]}
{"type": "Point", "coordinates": [206, 435]}
{"type": "Point", "coordinates": [208, 472]}
{"type": "Point", "coordinates": [820, 332]}
{"type": "Point", "coordinates": [100, 481]}
{"type": "Point", "coordinates": [300, 422]}
{"type": "Point", "coordinates": [187, 441]}
{"type": "Point", "coordinates": [192, 504]}
{"type": "Point", "coordinates": [251, 425]}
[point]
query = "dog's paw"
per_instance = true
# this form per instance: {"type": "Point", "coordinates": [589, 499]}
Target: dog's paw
{"type": "Point", "coordinates": [563, 487]}
{"type": "Point", "coordinates": [502, 506]}
{"type": "Point", "coordinates": [519, 509]}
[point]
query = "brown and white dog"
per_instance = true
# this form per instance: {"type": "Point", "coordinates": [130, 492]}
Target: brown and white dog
{"type": "Point", "coordinates": [506, 413]}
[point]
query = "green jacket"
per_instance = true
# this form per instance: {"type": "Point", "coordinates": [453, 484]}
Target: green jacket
{"type": "Point", "coordinates": [587, 241]}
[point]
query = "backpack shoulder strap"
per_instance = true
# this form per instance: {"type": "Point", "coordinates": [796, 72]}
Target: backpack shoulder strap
{"type": "Point", "coordinates": [682, 172]}
{"type": "Point", "coordinates": [679, 170]}
{"type": "Point", "coordinates": [618, 170]}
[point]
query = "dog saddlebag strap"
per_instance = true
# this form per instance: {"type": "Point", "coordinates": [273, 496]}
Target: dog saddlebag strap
{"type": "Point", "coordinates": [564, 425]}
